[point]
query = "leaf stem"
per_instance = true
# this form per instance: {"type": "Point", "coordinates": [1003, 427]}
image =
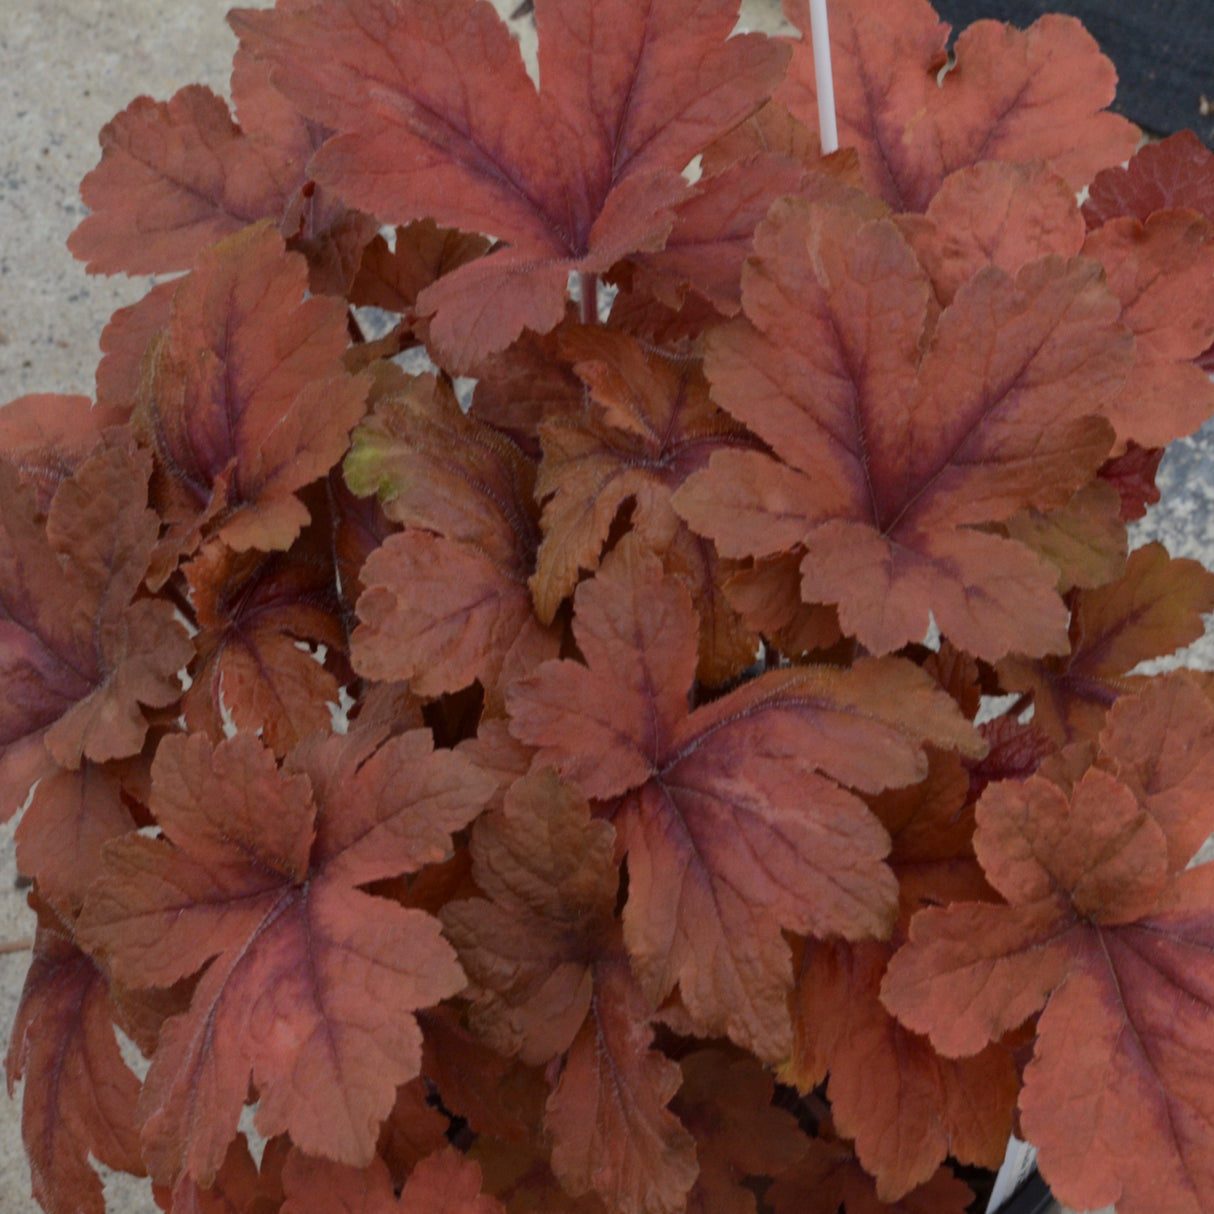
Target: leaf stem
{"type": "Point", "coordinates": [589, 284]}
{"type": "Point", "coordinates": [17, 946]}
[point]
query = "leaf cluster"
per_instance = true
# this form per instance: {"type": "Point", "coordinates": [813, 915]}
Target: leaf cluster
{"type": "Point", "coordinates": [582, 658]}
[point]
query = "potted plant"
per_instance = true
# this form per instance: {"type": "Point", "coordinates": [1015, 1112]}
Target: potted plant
{"type": "Point", "coordinates": [704, 770]}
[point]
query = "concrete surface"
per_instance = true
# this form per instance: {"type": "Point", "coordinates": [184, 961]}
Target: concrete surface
{"type": "Point", "coordinates": [66, 67]}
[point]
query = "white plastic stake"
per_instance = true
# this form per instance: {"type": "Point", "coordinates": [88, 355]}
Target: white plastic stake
{"type": "Point", "coordinates": [828, 128]}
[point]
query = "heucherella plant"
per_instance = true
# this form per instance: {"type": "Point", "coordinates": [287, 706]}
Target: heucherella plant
{"type": "Point", "coordinates": [582, 658]}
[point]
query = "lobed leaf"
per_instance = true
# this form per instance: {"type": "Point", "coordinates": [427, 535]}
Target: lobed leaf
{"type": "Point", "coordinates": [311, 982]}
{"type": "Point", "coordinates": [736, 818]}
{"type": "Point", "coordinates": [1007, 94]}
{"type": "Point", "coordinates": [901, 439]}
{"type": "Point", "coordinates": [437, 118]}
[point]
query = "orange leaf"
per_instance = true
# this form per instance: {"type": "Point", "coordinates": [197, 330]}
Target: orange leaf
{"type": "Point", "coordinates": [311, 982]}
{"type": "Point", "coordinates": [902, 438]}
{"type": "Point", "coordinates": [437, 118]}
{"type": "Point", "coordinates": [737, 818]}
{"type": "Point", "coordinates": [1007, 95]}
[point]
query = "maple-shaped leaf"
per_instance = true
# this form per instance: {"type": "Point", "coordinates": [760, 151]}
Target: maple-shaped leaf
{"type": "Point", "coordinates": [446, 600]}
{"type": "Point", "coordinates": [1162, 270]}
{"type": "Point", "coordinates": [1174, 172]}
{"type": "Point", "coordinates": [245, 400]}
{"type": "Point", "coordinates": [550, 877]}
{"type": "Point", "coordinates": [607, 1118]}
{"type": "Point", "coordinates": [311, 982]}
{"type": "Point", "coordinates": [177, 176]}
{"type": "Point", "coordinates": [725, 1103]}
{"type": "Point", "coordinates": [124, 342]}
{"type": "Point", "coordinates": [437, 118]}
{"type": "Point", "coordinates": [1107, 932]}
{"type": "Point", "coordinates": [737, 819]}
{"type": "Point", "coordinates": [900, 440]}
{"type": "Point", "coordinates": [906, 1107]}
{"type": "Point", "coordinates": [79, 1094]}
{"type": "Point", "coordinates": [1037, 94]}
{"type": "Point", "coordinates": [1153, 609]}
{"type": "Point", "coordinates": [654, 425]}
{"type": "Point", "coordinates": [442, 1183]}
{"type": "Point", "coordinates": [412, 1130]}
{"type": "Point", "coordinates": [80, 653]}
{"type": "Point", "coordinates": [260, 617]}
{"type": "Point", "coordinates": [829, 1178]}
{"type": "Point", "coordinates": [1133, 474]}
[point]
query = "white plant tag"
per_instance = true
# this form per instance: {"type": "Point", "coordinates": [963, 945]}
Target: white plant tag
{"type": "Point", "coordinates": [1018, 1165]}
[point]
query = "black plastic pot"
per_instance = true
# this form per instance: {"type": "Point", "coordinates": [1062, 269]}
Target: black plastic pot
{"type": "Point", "coordinates": [1033, 1197]}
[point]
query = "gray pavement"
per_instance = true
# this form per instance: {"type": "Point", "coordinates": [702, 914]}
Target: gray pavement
{"type": "Point", "coordinates": [66, 67]}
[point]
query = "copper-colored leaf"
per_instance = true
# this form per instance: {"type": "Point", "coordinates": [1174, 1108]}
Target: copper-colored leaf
{"type": "Point", "coordinates": [445, 601]}
{"type": "Point", "coordinates": [725, 1103]}
{"type": "Point", "coordinates": [1112, 937]}
{"type": "Point", "coordinates": [260, 616]}
{"type": "Point", "coordinates": [79, 652]}
{"type": "Point", "coordinates": [737, 818]}
{"type": "Point", "coordinates": [611, 1130]}
{"type": "Point", "coordinates": [311, 982]}
{"type": "Point", "coordinates": [1163, 273]}
{"type": "Point", "coordinates": [550, 876]}
{"type": "Point", "coordinates": [79, 1094]}
{"type": "Point", "coordinates": [1175, 172]}
{"type": "Point", "coordinates": [653, 427]}
{"type": "Point", "coordinates": [245, 400]}
{"type": "Point", "coordinates": [1154, 608]}
{"type": "Point", "coordinates": [439, 119]}
{"type": "Point", "coordinates": [1007, 95]}
{"type": "Point", "coordinates": [893, 456]}
{"type": "Point", "coordinates": [993, 214]}
{"type": "Point", "coordinates": [442, 1183]}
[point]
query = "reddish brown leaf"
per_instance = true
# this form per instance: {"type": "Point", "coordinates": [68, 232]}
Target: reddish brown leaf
{"type": "Point", "coordinates": [240, 1187]}
{"type": "Point", "coordinates": [993, 214]}
{"type": "Point", "coordinates": [261, 616]}
{"type": "Point", "coordinates": [1175, 172]}
{"type": "Point", "coordinates": [725, 1103]}
{"type": "Point", "coordinates": [79, 1094]}
{"type": "Point", "coordinates": [443, 1183]}
{"type": "Point", "coordinates": [174, 177]}
{"type": "Point", "coordinates": [446, 601]}
{"type": "Point", "coordinates": [906, 1107]}
{"type": "Point", "coordinates": [550, 876]}
{"type": "Point", "coordinates": [1132, 474]}
{"type": "Point", "coordinates": [439, 119]}
{"type": "Point", "coordinates": [311, 982]}
{"type": "Point", "coordinates": [522, 1179]}
{"type": "Point", "coordinates": [1007, 95]}
{"type": "Point", "coordinates": [46, 438]}
{"type": "Point", "coordinates": [245, 400]}
{"type": "Point", "coordinates": [125, 341]}
{"type": "Point", "coordinates": [80, 653]}
{"type": "Point", "coordinates": [829, 1178]}
{"type": "Point", "coordinates": [653, 427]}
{"type": "Point", "coordinates": [713, 232]}
{"type": "Point", "coordinates": [1163, 273]}
{"type": "Point", "coordinates": [498, 1097]}
{"type": "Point", "coordinates": [178, 176]}
{"type": "Point", "coordinates": [1113, 938]}
{"type": "Point", "coordinates": [610, 1128]}
{"type": "Point", "coordinates": [711, 807]}
{"type": "Point", "coordinates": [1154, 608]}
{"type": "Point", "coordinates": [893, 455]}
{"type": "Point", "coordinates": [59, 837]}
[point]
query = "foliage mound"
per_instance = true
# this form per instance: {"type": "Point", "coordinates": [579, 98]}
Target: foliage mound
{"type": "Point", "coordinates": [556, 801]}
